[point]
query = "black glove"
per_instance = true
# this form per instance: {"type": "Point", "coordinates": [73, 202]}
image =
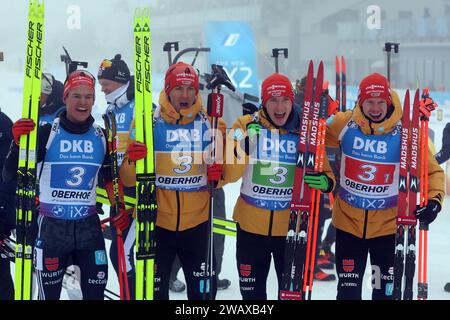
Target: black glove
{"type": "Point", "coordinates": [446, 135]}
{"type": "Point", "coordinates": [428, 213]}
{"type": "Point", "coordinates": [99, 207]}
{"type": "Point", "coordinates": [444, 154]}
{"type": "Point", "coordinates": [249, 108]}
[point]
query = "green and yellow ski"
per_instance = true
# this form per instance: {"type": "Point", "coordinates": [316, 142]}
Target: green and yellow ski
{"type": "Point", "coordinates": [145, 170]}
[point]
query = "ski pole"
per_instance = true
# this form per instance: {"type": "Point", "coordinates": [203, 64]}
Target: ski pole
{"type": "Point", "coordinates": [316, 192]}
{"type": "Point", "coordinates": [111, 127]}
{"type": "Point", "coordinates": [338, 83]}
{"type": "Point", "coordinates": [426, 108]}
{"type": "Point", "coordinates": [215, 110]}
{"type": "Point", "coordinates": [344, 85]}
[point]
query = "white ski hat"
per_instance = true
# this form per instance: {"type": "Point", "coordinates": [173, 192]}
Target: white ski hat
{"type": "Point", "coordinates": [47, 83]}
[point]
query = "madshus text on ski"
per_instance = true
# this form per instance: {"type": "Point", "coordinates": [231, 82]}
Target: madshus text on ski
{"type": "Point", "coordinates": [299, 155]}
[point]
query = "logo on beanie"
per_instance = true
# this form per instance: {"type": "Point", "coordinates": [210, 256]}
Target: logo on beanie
{"type": "Point", "coordinates": [375, 90]}
{"type": "Point", "coordinates": [115, 70]}
{"type": "Point", "coordinates": [106, 64]}
{"type": "Point", "coordinates": [185, 79]}
{"type": "Point", "coordinates": [375, 86]}
{"type": "Point", "coordinates": [276, 86]}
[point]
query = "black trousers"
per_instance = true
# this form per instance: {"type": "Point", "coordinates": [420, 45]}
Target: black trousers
{"type": "Point", "coordinates": [190, 246]}
{"type": "Point", "coordinates": [351, 258]}
{"type": "Point", "coordinates": [253, 256]}
{"type": "Point", "coordinates": [218, 239]}
{"type": "Point", "coordinates": [58, 240]}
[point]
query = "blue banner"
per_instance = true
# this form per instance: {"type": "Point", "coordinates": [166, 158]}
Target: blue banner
{"type": "Point", "coordinates": [232, 46]}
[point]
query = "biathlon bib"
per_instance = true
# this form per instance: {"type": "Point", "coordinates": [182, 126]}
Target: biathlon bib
{"type": "Point", "coordinates": [70, 173]}
{"type": "Point", "coordinates": [179, 152]}
{"type": "Point", "coordinates": [267, 184]}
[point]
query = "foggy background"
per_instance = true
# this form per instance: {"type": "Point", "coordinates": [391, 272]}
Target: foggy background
{"type": "Point", "coordinates": [318, 30]}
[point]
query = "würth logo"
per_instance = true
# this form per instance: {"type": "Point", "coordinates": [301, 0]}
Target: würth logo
{"type": "Point", "coordinates": [348, 265]}
{"type": "Point", "coordinates": [245, 270]}
{"type": "Point", "coordinates": [52, 264]}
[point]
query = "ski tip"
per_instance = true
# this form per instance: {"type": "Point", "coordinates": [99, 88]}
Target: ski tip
{"type": "Point", "coordinates": [310, 69]}
{"type": "Point", "coordinates": [406, 100]}
{"type": "Point", "coordinates": [31, 10]}
{"type": "Point", "coordinates": [146, 12]}
{"type": "Point", "coordinates": [417, 96]}
{"type": "Point", "coordinates": [320, 72]}
{"type": "Point", "coordinates": [137, 12]}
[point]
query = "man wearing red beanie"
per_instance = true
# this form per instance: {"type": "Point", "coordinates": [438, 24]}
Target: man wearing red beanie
{"type": "Point", "coordinates": [277, 98]}
{"type": "Point", "coordinates": [265, 153]}
{"type": "Point", "coordinates": [181, 138]}
{"type": "Point", "coordinates": [71, 152]}
{"type": "Point", "coordinates": [79, 95]}
{"type": "Point", "coordinates": [365, 208]}
{"type": "Point", "coordinates": [375, 97]}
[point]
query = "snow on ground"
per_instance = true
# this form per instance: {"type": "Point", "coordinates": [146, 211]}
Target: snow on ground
{"type": "Point", "coordinates": [438, 262]}
{"type": "Point", "coordinates": [438, 252]}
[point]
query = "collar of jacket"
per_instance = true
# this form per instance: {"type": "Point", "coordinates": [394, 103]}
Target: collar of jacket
{"type": "Point", "coordinates": [72, 127]}
{"type": "Point", "coordinates": [184, 116]}
{"type": "Point", "coordinates": [384, 127]}
{"type": "Point", "coordinates": [118, 97]}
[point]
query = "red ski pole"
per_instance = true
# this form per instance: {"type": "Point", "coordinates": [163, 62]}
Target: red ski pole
{"type": "Point", "coordinates": [426, 107]}
{"type": "Point", "coordinates": [316, 193]}
{"type": "Point", "coordinates": [110, 124]}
